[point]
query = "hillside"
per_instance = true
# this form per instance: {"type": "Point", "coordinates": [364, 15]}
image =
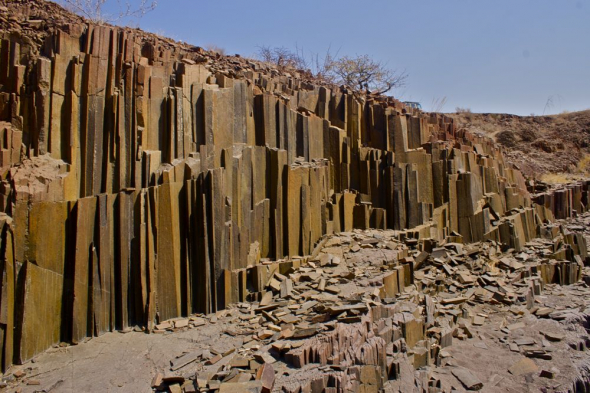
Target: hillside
{"type": "Point", "coordinates": [552, 148]}
{"type": "Point", "coordinates": [176, 220]}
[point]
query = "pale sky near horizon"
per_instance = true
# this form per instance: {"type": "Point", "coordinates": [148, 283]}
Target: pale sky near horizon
{"type": "Point", "coordinates": [507, 56]}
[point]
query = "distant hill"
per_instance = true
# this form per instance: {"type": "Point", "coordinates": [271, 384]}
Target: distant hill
{"type": "Point", "coordinates": [553, 148]}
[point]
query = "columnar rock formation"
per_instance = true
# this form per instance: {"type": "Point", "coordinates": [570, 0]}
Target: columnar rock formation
{"type": "Point", "coordinates": [565, 201]}
{"type": "Point", "coordinates": [144, 180]}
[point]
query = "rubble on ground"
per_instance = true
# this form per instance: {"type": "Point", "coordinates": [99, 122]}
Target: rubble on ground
{"type": "Point", "coordinates": [270, 232]}
{"type": "Point", "coordinates": [376, 311]}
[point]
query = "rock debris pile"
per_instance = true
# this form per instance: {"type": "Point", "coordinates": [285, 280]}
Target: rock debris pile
{"type": "Point", "coordinates": [374, 305]}
{"type": "Point", "coordinates": [342, 240]}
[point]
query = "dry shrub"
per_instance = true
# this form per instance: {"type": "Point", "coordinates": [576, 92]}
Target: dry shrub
{"type": "Point", "coordinates": [544, 145]}
{"type": "Point", "coordinates": [360, 72]}
{"type": "Point", "coordinates": [94, 9]}
{"type": "Point", "coordinates": [507, 138]}
{"type": "Point", "coordinates": [215, 49]}
{"type": "Point", "coordinates": [528, 135]}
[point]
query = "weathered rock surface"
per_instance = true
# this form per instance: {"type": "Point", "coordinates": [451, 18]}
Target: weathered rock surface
{"type": "Point", "coordinates": [146, 181]}
{"type": "Point", "coordinates": [481, 316]}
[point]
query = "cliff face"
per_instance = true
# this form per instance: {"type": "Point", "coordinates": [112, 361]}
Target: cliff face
{"type": "Point", "coordinates": [145, 179]}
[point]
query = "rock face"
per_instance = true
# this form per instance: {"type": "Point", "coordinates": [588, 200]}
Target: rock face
{"type": "Point", "coordinates": [145, 180]}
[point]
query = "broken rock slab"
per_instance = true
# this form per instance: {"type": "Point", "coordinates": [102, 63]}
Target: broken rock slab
{"type": "Point", "coordinates": [467, 378]}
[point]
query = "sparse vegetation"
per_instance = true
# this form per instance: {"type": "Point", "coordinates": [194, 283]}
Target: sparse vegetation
{"type": "Point", "coordinates": [462, 110]}
{"type": "Point", "coordinates": [364, 73]}
{"type": "Point", "coordinates": [282, 57]}
{"type": "Point", "coordinates": [556, 144]}
{"type": "Point", "coordinates": [507, 138]}
{"type": "Point", "coordinates": [557, 178]}
{"type": "Point", "coordinates": [552, 100]}
{"type": "Point", "coordinates": [361, 72]}
{"type": "Point", "coordinates": [215, 49]}
{"type": "Point", "coordinates": [438, 104]}
{"type": "Point", "coordinates": [94, 9]}
{"type": "Point", "coordinates": [584, 165]}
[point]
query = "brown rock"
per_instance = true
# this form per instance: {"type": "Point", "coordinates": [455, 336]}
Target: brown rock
{"type": "Point", "coordinates": [554, 336]}
{"type": "Point", "coordinates": [175, 388]}
{"type": "Point", "coordinates": [157, 380]}
{"type": "Point", "coordinates": [214, 359]}
{"type": "Point", "coordinates": [185, 359]}
{"type": "Point", "coordinates": [266, 299]}
{"type": "Point", "coordinates": [523, 366]}
{"type": "Point", "coordinates": [470, 381]}
{"type": "Point", "coordinates": [266, 374]}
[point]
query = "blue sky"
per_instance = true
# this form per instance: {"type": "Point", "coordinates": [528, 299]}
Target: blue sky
{"type": "Point", "coordinates": [509, 56]}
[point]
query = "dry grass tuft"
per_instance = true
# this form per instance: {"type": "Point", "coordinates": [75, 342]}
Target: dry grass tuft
{"type": "Point", "coordinates": [582, 172]}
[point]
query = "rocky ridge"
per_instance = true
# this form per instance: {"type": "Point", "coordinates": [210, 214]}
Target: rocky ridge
{"type": "Point", "coordinates": [542, 147]}
{"type": "Point", "coordinates": [152, 186]}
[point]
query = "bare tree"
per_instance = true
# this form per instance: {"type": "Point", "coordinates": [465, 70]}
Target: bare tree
{"type": "Point", "coordinates": [282, 57]}
{"type": "Point", "coordinates": [364, 73]}
{"type": "Point", "coordinates": [94, 9]}
{"type": "Point", "coordinates": [322, 66]}
{"type": "Point", "coordinates": [361, 73]}
{"type": "Point", "coordinates": [551, 101]}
